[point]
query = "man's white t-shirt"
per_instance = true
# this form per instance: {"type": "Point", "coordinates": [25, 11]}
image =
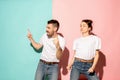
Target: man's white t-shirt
{"type": "Point", "coordinates": [85, 47]}
{"type": "Point", "coordinates": [49, 48]}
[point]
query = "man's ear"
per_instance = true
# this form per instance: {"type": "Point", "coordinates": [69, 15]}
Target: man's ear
{"type": "Point", "coordinates": [55, 29]}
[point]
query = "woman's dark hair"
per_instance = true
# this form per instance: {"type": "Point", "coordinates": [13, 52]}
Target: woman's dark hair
{"type": "Point", "coordinates": [55, 23]}
{"type": "Point", "coordinates": [88, 22]}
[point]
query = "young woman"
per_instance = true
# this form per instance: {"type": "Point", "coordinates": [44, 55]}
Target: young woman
{"type": "Point", "coordinates": [86, 53]}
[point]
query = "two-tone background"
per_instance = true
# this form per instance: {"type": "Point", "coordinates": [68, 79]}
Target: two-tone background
{"type": "Point", "coordinates": [18, 60]}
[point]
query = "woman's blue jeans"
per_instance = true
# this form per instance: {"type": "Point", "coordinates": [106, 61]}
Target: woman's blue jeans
{"type": "Point", "coordinates": [82, 68]}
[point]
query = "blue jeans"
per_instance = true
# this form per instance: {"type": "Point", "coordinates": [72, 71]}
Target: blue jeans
{"type": "Point", "coordinates": [82, 68]}
{"type": "Point", "coordinates": [46, 72]}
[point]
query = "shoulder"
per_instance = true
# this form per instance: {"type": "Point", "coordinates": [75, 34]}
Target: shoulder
{"type": "Point", "coordinates": [44, 35]}
{"type": "Point", "coordinates": [96, 37]}
{"type": "Point", "coordinates": [61, 38]}
{"type": "Point", "coordinates": [77, 40]}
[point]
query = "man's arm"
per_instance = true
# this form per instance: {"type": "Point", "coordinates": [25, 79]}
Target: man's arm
{"type": "Point", "coordinates": [35, 44]}
{"type": "Point", "coordinates": [59, 51]}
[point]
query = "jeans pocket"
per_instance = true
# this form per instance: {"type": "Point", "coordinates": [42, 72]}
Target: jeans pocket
{"type": "Point", "coordinates": [87, 66]}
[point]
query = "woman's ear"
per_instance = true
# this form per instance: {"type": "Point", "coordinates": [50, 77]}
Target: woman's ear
{"type": "Point", "coordinates": [90, 29]}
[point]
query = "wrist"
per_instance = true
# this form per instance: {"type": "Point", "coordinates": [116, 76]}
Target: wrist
{"type": "Point", "coordinates": [31, 39]}
{"type": "Point", "coordinates": [93, 67]}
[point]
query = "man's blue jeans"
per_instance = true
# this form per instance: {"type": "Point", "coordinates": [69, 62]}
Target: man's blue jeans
{"type": "Point", "coordinates": [82, 68]}
{"type": "Point", "coordinates": [45, 70]}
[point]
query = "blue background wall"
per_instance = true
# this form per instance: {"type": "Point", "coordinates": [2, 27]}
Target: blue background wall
{"type": "Point", "coordinates": [18, 60]}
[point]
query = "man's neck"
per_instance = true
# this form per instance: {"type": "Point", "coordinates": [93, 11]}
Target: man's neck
{"type": "Point", "coordinates": [54, 35]}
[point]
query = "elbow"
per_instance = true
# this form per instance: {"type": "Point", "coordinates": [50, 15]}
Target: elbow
{"type": "Point", "coordinates": [38, 47]}
{"type": "Point", "coordinates": [58, 58]}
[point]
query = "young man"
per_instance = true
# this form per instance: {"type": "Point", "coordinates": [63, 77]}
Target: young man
{"type": "Point", "coordinates": [86, 53]}
{"type": "Point", "coordinates": [53, 46]}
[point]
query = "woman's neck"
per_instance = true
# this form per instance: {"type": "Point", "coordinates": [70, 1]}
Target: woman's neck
{"type": "Point", "coordinates": [85, 34]}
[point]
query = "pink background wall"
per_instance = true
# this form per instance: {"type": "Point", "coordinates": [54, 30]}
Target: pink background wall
{"type": "Point", "coordinates": [106, 17]}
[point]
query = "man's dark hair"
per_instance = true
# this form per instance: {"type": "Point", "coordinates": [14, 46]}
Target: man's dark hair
{"type": "Point", "coordinates": [55, 23]}
{"type": "Point", "coordinates": [88, 22]}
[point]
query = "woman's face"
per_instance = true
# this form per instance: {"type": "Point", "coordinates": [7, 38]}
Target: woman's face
{"type": "Point", "coordinates": [84, 28]}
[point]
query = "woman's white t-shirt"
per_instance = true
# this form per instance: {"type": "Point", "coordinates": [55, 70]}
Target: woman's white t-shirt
{"type": "Point", "coordinates": [85, 47]}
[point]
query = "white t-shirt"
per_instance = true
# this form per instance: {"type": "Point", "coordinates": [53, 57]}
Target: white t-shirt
{"type": "Point", "coordinates": [49, 48]}
{"type": "Point", "coordinates": [85, 47]}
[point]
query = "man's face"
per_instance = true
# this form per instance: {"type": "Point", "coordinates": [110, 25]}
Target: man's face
{"type": "Point", "coordinates": [50, 30]}
{"type": "Point", "coordinates": [84, 27]}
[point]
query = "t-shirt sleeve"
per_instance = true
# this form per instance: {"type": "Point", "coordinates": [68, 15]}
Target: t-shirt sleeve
{"type": "Point", "coordinates": [62, 44]}
{"type": "Point", "coordinates": [98, 44]}
{"type": "Point", "coordinates": [74, 45]}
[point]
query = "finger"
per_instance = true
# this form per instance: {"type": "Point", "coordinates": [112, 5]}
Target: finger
{"type": "Point", "coordinates": [57, 37]}
{"type": "Point", "coordinates": [28, 31]}
{"type": "Point", "coordinates": [89, 70]}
